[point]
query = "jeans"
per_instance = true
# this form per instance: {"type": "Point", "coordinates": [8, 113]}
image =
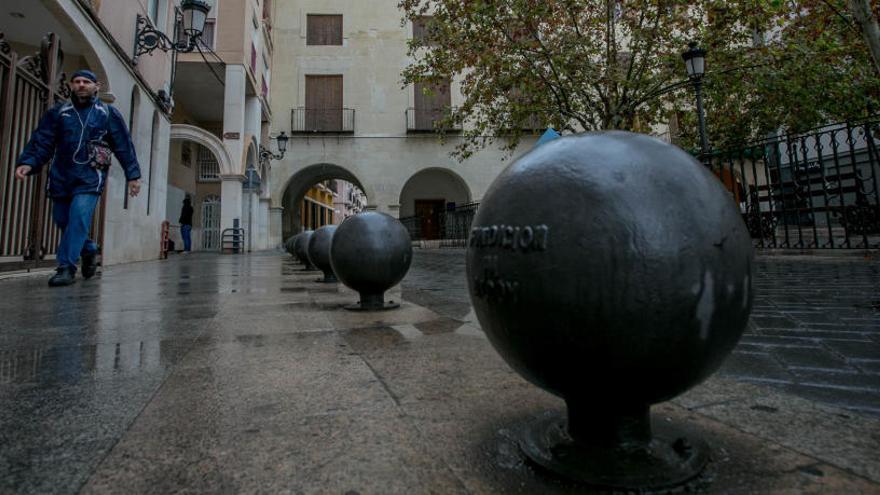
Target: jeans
{"type": "Point", "coordinates": [74, 217]}
{"type": "Point", "coordinates": [185, 232]}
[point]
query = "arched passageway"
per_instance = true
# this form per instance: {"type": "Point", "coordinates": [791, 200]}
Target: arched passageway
{"type": "Point", "coordinates": [197, 161]}
{"type": "Point", "coordinates": [299, 185]}
{"type": "Point", "coordinates": [428, 194]}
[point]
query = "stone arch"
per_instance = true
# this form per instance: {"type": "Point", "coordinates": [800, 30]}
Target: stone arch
{"type": "Point", "coordinates": [209, 141]}
{"type": "Point", "coordinates": [298, 184]}
{"type": "Point", "coordinates": [436, 182]}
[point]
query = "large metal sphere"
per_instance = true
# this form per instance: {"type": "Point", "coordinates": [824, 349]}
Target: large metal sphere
{"type": "Point", "coordinates": [319, 251]}
{"type": "Point", "coordinates": [371, 252]}
{"type": "Point", "coordinates": [611, 264]}
{"type": "Point", "coordinates": [301, 247]}
{"type": "Point", "coordinates": [614, 270]}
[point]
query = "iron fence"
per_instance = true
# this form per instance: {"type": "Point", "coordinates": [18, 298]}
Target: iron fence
{"type": "Point", "coordinates": [816, 190]}
{"type": "Point", "coordinates": [453, 226]}
{"type": "Point", "coordinates": [321, 120]}
{"type": "Point", "coordinates": [428, 119]}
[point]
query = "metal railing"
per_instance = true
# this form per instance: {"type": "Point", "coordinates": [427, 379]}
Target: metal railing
{"type": "Point", "coordinates": [817, 190]}
{"type": "Point", "coordinates": [321, 120]}
{"type": "Point", "coordinates": [453, 226]}
{"type": "Point", "coordinates": [428, 120]}
{"type": "Point", "coordinates": [232, 241]}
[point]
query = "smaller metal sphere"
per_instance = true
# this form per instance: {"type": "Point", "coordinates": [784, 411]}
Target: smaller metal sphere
{"type": "Point", "coordinates": [301, 248]}
{"type": "Point", "coordinates": [288, 244]}
{"type": "Point", "coordinates": [319, 251]}
{"type": "Point", "coordinates": [371, 252]}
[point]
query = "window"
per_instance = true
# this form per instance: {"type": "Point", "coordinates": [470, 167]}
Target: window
{"type": "Point", "coordinates": [323, 29]}
{"type": "Point", "coordinates": [431, 102]}
{"type": "Point", "coordinates": [422, 29]}
{"type": "Point", "coordinates": [207, 38]}
{"type": "Point", "coordinates": [209, 169]}
{"type": "Point", "coordinates": [323, 103]}
{"type": "Point", "coordinates": [132, 129]}
{"type": "Point", "coordinates": [153, 11]}
{"type": "Point", "coordinates": [154, 157]}
{"type": "Point", "coordinates": [185, 154]}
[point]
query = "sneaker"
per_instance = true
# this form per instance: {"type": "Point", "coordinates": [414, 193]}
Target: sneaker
{"type": "Point", "coordinates": [64, 275]}
{"type": "Point", "coordinates": [89, 265]}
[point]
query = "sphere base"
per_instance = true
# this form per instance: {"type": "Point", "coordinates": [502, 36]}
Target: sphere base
{"type": "Point", "coordinates": [668, 458]}
{"type": "Point", "coordinates": [327, 279]}
{"type": "Point", "coordinates": [372, 302]}
{"type": "Point", "coordinates": [384, 307]}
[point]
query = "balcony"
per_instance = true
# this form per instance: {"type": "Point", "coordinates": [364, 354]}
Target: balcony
{"type": "Point", "coordinates": [427, 120]}
{"type": "Point", "coordinates": [322, 120]}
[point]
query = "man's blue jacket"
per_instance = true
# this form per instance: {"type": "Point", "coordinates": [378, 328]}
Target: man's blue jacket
{"type": "Point", "coordinates": [65, 132]}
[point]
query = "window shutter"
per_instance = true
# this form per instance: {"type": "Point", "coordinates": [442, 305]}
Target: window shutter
{"type": "Point", "coordinates": [323, 29]}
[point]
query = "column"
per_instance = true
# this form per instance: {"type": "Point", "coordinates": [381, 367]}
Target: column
{"type": "Point", "coordinates": [276, 218]}
{"type": "Point", "coordinates": [231, 202]}
{"type": "Point", "coordinates": [264, 224]}
{"type": "Point", "coordinates": [234, 115]}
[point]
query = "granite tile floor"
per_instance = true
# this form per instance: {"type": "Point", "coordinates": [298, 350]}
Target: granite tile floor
{"type": "Point", "coordinates": [228, 374]}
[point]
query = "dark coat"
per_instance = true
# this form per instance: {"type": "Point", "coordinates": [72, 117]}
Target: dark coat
{"type": "Point", "coordinates": [65, 131]}
{"type": "Point", "coordinates": [186, 214]}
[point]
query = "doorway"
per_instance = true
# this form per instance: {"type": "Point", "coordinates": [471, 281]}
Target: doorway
{"type": "Point", "coordinates": [211, 223]}
{"type": "Point", "coordinates": [430, 214]}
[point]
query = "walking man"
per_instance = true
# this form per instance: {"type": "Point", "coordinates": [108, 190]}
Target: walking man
{"type": "Point", "coordinates": [186, 224]}
{"type": "Point", "coordinates": [79, 136]}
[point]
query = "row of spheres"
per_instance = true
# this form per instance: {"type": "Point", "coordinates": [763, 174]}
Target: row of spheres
{"type": "Point", "coordinates": [632, 296]}
{"type": "Point", "coordinates": [369, 252]}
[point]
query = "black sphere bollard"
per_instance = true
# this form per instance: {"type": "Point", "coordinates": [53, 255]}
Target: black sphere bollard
{"type": "Point", "coordinates": [301, 249]}
{"type": "Point", "coordinates": [288, 245]}
{"type": "Point", "coordinates": [371, 252]}
{"type": "Point", "coordinates": [319, 252]}
{"type": "Point", "coordinates": [613, 270]}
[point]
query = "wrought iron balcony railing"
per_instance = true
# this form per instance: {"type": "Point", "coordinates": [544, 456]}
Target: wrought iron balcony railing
{"type": "Point", "coordinates": [428, 120]}
{"type": "Point", "coordinates": [321, 120]}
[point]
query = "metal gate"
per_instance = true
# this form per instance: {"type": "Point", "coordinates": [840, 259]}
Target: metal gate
{"type": "Point", "coordinates": [815, 190]}
{"type": "Point", "coordinates": [211, 223]}
{"type": "Point", "coordinates": [28, 86]}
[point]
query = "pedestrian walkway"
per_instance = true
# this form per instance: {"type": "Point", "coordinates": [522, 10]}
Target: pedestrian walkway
{"type": "Point", "coordinates": [241, 373]}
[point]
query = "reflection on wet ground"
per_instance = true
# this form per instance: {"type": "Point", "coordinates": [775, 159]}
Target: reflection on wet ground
{"type": "Point", "coordinates": [240, 373]}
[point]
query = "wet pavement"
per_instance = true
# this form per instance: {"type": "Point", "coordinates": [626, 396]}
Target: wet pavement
{"type": "Point", "coordinates": [216, 373]}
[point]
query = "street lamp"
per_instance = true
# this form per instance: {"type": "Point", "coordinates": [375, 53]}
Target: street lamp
{"type": "Point", "coordinates": [189, 18]}
{"type": "Point", "coordinates": [695, 62]}
{"type": "Point", "coordinates": [281, 141]}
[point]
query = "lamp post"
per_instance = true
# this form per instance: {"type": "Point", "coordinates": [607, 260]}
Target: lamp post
{"type": "Point", "coordinates": [695, 62]}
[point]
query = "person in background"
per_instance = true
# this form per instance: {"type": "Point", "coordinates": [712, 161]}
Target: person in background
{"type": "Point", "coordinates": [186, 220]}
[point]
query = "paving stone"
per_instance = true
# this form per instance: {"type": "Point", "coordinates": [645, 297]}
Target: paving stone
{"type": "Point", "coordinates": [754, 365]}
{"type": "Point", "coordinates": [855, 350]}
{"type": "Point", "coordinates": [810, 358]}
{"type": "Point", "coordinates": [241, 374]}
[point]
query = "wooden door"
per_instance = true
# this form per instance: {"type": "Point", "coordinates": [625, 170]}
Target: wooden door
{"type": "Point", "coordinates": [430, 213]}
{"type": "Point", "coordinates": [324, 103]}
